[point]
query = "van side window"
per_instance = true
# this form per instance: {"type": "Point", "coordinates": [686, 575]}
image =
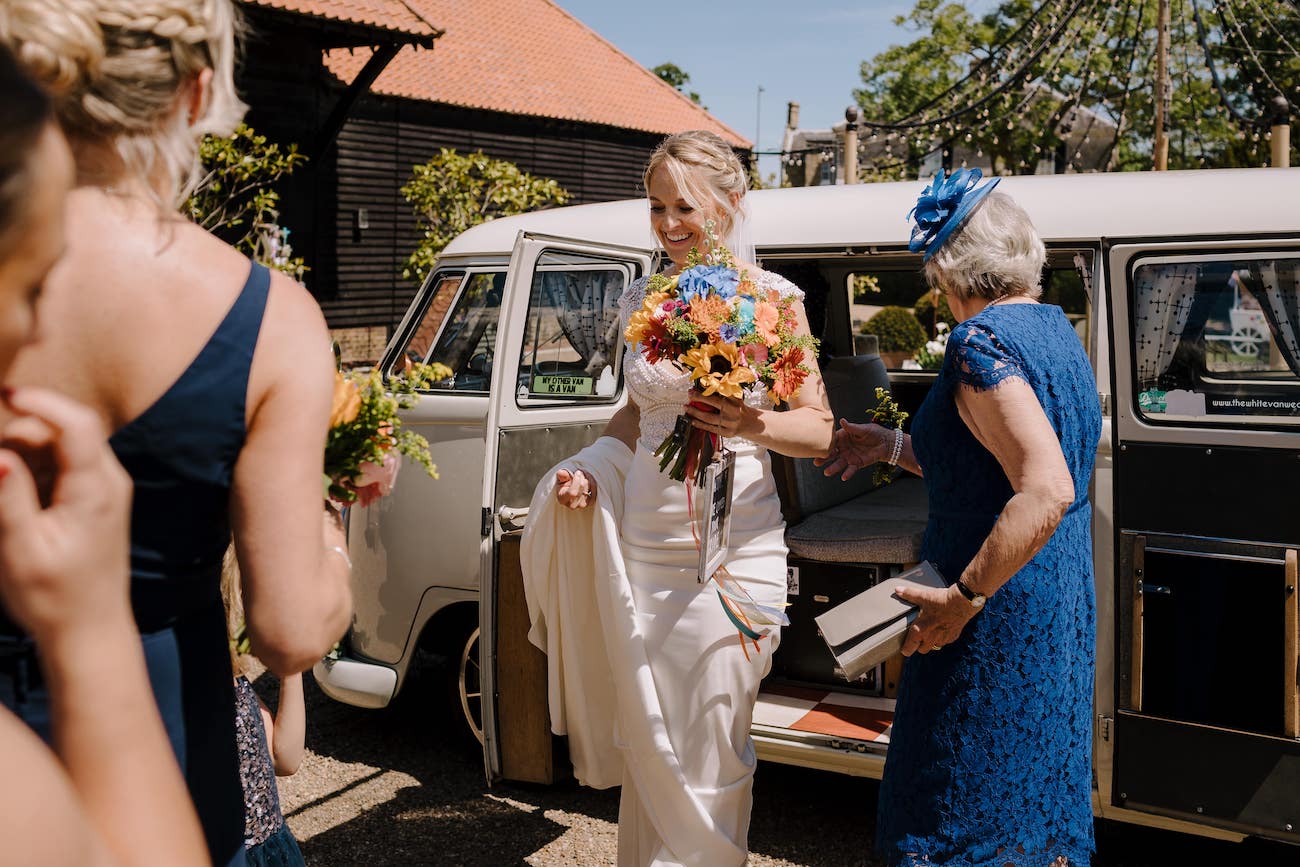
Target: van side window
{"type": "Point", "coordinates": [572, 347]}
{"type": "Point", "coordinates": [458, 329]}
{"type": "Point", "coordinates": [1215, 340]}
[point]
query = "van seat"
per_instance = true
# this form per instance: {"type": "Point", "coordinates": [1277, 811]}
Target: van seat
{"type": "Point", "coordinates": [884, 525]}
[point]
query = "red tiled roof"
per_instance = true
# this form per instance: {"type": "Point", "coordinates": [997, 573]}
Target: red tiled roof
{"type": "Point", "coordinates": [530, 57]}
{"type": "Point", "coordinates": [393, 15]}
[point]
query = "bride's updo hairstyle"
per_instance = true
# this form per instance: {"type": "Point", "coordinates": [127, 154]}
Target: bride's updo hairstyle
{"type": "Point", "coordinates": [705, 169]}
{"type": "Point", "coordinates": [120, 73]}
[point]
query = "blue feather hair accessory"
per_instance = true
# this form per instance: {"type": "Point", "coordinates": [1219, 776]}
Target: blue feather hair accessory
{"type": "Point", "coordinates": [943, 205]}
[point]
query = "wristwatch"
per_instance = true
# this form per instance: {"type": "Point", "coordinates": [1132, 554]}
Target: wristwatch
{"type": "Point", "coordinates": [976, 600]}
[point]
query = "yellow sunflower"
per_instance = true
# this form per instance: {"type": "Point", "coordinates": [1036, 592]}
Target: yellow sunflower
{"type": "Point", "coordinates": [716, 369]}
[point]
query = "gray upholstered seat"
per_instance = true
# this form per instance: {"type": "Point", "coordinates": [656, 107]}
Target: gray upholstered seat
{"type": "Point", "coordinates": [854, 522]}
{"type": "Point", "coordinates": [884, 525]}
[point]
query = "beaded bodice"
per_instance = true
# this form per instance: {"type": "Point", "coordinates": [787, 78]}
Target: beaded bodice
{"type": "Point", "coordinates": [661, 390]}
{"type": "Point", "coordinates": [262, 816]}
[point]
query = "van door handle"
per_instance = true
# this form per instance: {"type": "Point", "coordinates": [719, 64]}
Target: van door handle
{"type": "Point", "coordinates": [512, 518]}
{"type": "Point", "coordinates": [1163, 590]}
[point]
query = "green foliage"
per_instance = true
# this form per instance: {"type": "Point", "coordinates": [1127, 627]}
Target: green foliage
{"type": "Point", "coordinates": [453, 191]}
{"type": "Point", "coordinates": [236, 199]}
{"type": "Point", "coordinates": [1104, 63]}
{"type": "Point", "coordinates": [896, 329]}
{"type": "Point", "coordinates": [887, 413]}
{"type": "Point", "coordinates": [676, 78]}
{"type": "Point", "coordinates": [865, 288]}
{"type": "Point", "coordinates": [924, 311]}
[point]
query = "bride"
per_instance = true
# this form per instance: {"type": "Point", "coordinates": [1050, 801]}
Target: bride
{"type": "Point", "coordinates": [648, 676]}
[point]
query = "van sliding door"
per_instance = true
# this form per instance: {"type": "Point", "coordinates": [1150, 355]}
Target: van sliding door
{"type": "Point", "coordinates": [1207, 529]}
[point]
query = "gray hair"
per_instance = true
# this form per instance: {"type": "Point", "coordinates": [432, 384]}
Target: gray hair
{"type": "Point", "coordinates": [995, 252]}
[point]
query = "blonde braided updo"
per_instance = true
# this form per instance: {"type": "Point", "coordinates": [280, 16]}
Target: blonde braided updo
{"type": "Point", "coordinates": [118, 69]}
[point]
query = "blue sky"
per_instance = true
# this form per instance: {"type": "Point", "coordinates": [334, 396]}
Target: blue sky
{"type": "Point", "coordinates": [807, 52]}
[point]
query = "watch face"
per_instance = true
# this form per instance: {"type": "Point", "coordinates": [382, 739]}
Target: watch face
{"type": "Point", "coordinates": [978, 601]}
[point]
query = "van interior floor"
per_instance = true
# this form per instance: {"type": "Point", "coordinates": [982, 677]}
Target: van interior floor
{"type": "Point", "coordinates": [821, 711]}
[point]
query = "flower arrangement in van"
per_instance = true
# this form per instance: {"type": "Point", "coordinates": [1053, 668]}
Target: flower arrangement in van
{"type": "Point", "coordinates": [713, 323]}
{"type": "Point", "coordinates": [366, 440]}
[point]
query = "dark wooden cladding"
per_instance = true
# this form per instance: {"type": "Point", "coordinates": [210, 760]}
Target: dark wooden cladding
{"type": "Point", "coordinates": [356, 273]}
{"type": "Point", "coordinates": [386, 137]}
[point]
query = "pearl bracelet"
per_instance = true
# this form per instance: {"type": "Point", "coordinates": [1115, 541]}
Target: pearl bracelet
{"type": "Point", "coordinates": [897, 450]}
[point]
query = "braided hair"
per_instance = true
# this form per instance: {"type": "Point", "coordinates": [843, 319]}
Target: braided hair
{"type": "Point", "coordinates": [118, 69]}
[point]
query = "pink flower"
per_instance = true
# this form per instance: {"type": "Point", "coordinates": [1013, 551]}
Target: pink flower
{"type": "Point", "coordinates": [376, 480]}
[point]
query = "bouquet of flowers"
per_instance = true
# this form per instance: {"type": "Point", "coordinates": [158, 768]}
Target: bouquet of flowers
{"type": "Point", "coordinates": [886, 414]}
{"type": "Point", "coordinates": [712, 322]}
{"type": "Point", "coordinates": [366, 439]}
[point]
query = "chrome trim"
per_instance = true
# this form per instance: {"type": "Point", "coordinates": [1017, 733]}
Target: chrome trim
{"type": "Point", "coordinates": [351, 681]}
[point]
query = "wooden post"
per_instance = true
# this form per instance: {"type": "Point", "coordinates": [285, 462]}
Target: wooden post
{"type": "Point", "coordinates": [1281, 134]}
{"type": "Point", "coordinates": [851, 144]}
{"type": "Point", "coordinates": [1164, 92]}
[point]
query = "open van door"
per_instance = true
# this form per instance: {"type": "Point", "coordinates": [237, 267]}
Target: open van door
{"type": "Point", "coordinates": [557, 380]}
{"type": "Point", "coordinates": [1206, 338]}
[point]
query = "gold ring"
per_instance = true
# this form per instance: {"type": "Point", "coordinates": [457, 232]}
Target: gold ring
{"type": "Point", "coordinates": [936, 647]}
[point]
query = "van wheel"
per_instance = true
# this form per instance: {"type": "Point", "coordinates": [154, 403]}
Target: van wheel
{"type": "Point", "coordinates": [469, 685]}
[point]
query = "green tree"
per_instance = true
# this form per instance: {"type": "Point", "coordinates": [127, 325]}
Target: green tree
{"type": "Point", "coordinates": [453, 191]}
{"type": "Point", "coordinates": [1099, 58]}
{"type": "Point", "coordinates": [677, 78]}
{"type": "Point", "coordinates": [236, 199]}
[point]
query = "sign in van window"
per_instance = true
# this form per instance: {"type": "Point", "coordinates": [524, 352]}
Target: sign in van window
{"type": "Point", "coordinates": [572, 345]}
{"type": "Point", "coordinates": [1217, 340]}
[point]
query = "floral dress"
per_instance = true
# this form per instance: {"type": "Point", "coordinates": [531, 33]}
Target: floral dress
{"type": "Point", "coordinates": [268, 842]}
{"type": "Point", "coordinates": [990, 754]}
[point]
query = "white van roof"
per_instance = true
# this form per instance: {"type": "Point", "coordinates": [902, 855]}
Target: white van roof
{"type": "Point", "coordinates": [1063, 207]}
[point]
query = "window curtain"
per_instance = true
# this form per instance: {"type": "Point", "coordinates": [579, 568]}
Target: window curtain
{"type": "Point", "coordinates": [1162, 301]}
{"type": "Point", "coordinates": [586, 309]}
{"type": "Point", "coordinates": [1280, 300]}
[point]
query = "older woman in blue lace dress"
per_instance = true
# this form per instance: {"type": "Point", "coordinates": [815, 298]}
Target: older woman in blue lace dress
{"type": "Point", "coordinates": [989, 759]}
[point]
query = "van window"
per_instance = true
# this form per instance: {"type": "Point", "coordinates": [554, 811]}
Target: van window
{"type": "Point", "coordinates": [458, 327]}
{"type": "Point", "coordinates": [572, 347]}
{"type": "Point", "coordinates": [1215, 340]}
{"type": "Point", "coordinates": [912, 336]}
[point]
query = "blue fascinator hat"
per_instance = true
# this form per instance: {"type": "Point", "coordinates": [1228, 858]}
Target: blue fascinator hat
{"type": "Point", "coordinates": [943, 206]}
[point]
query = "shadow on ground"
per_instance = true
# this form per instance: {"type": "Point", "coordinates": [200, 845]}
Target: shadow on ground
{"type": "Point", "coordinates": [451, 817]}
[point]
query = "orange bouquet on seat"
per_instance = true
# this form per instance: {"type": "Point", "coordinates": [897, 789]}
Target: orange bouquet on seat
{"type": "Point", "coordinates": [712, 322]}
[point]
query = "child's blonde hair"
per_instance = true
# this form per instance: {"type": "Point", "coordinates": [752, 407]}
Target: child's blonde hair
{"type": "Point", "coordinates": [233, 597]}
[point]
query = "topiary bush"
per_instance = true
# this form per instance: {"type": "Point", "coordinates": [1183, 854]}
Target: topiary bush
{"type": "Point", "coordinates": [924, 310]}
{"type": "Point", "coordinates": [896, 329]}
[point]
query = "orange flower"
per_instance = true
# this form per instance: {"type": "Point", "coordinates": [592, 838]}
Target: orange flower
{"type": "Point", "coordinates": [716, 369]}
{"type": "Point", "coordinates": [708, 312]}
{"type": "Point", "coordinates": [347, 401]}
{"type": "Point", "coordinates": [767, 320]}
{"type": "Point", "coordinates": [788, 374]}
{"type": "Point", "coordinates": [640, 322]}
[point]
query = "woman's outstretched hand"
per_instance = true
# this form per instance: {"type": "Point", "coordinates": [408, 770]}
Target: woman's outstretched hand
{"type": "Point", "coordinates": [574, 489]}
{"type": "Point", "coordinates": [853, 447]}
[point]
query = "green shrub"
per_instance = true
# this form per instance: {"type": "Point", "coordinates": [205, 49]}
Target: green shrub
{"type": "Point", "coordinates": [924, 310]}
{"type": "Point", "coordinates": [896, 329]}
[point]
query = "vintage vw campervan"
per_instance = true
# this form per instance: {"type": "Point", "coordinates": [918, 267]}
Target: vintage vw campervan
{"type": "Point", "coordinates": [1185, 289]}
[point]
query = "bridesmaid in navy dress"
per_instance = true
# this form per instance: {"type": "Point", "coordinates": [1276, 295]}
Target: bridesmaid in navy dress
{"type": "Point", "coordinates": [990, 755]}
{"type": "Point", "coordinates": [215, 376]}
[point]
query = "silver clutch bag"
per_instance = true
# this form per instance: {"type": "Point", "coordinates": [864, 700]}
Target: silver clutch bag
{"type": "Point", "coordinates": [867, 629]}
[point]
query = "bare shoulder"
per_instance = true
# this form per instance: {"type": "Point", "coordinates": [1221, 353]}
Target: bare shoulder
{"type": "Point", "coordinates": [42, 817]}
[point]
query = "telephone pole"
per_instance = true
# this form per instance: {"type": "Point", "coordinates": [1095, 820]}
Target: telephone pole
{"type": "Point", "coordinates": [1164, 92]}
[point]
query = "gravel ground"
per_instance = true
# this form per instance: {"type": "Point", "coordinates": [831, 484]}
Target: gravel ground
{"type": "Point", "coordinates": [404, 786]}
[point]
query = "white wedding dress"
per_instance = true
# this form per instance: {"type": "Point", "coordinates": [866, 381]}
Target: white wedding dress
{"type": "Point", "coordinates": [674, 677]}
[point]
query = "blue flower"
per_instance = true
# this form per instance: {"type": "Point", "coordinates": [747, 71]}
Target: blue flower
{"type": "Point", "coordinates": [745, 315]}
{"type": "Point", "coordinates": [707, 280]}
{"type": "Point", "coordinates": [728, 332]}
{"type": "Point", "coordinates": [942, 207]}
